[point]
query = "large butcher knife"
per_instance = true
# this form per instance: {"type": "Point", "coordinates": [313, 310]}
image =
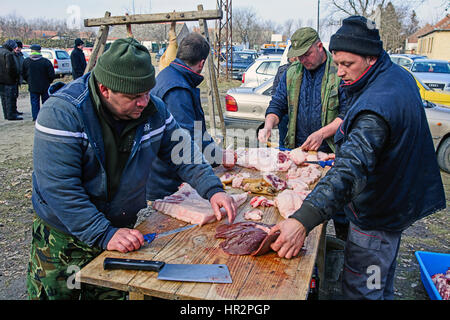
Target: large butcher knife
{"type": "Point", "coordinates": [215, 273]}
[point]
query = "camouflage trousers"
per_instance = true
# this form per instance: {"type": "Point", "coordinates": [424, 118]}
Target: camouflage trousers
{"type": "Point", "coordinates": [55, 258]}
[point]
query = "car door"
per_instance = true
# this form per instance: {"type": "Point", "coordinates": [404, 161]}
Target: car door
{"type": "Point", "coordinates": [266, 70]}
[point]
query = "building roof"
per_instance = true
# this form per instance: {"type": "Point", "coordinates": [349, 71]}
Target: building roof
{"type": "Point", "coordinates": [415, 36]}
{"type": "Point", "coordinates": [443, 25]}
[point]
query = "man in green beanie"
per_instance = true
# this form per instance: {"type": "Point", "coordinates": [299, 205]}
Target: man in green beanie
{"type": "Point", "coordinates": [95, 141]}
{"type": "Point", "coordinates": [309, 93]}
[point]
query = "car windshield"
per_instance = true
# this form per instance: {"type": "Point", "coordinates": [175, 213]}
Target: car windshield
{"type": "Point", "coordinates": [245, 57]}
{"type": "Point", "coordinates": [431, 66]}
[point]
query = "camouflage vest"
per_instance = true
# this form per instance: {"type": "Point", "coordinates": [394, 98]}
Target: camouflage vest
{"type": "Point", "coordinates": [329, 96]}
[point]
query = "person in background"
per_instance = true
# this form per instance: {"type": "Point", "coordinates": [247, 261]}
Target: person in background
{"type": "Point", "coordinates": [19, 59]}
{"type": "Point", "coordinates": [9, 77]}
{"type": "Point", "coordinates": [384, 159]}
{"type": "Point", "coordinates": [177, 85]}
{"type": "Point", "coordinates": [78, 59]}
{"type": "Point", "coordinates": [39, 74]}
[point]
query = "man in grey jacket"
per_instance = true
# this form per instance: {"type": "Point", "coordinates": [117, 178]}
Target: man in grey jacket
{"type": "Point", "coordinates": [94, 143]}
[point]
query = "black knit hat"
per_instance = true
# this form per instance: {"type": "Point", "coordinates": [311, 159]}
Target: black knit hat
{"type": "Point", "coordinates": [357, 35]}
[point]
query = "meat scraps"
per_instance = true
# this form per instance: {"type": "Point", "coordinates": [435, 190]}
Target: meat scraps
{"type": "Point", "coordinates": [263, 159]}
{"type": "Point", "coordinates": [442, 283]}
{"type": "Point", "coordinates": [253, 214]}
{"type": "Point", "coordinates": [246, 238]}
{"type": "Point", "coordinates": [187, 205]}
{"type": "Point", "coordinates": [261, 201]}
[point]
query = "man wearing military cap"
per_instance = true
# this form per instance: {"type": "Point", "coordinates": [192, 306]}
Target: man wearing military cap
{"type": "Point", "coordinates": [309, 93]}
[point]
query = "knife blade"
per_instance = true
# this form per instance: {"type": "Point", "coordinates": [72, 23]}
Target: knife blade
{"type": "Point", "coordinates": [321, 163]}
{"type": "Point", "coordinates": [149, 237]}
{"type": "Point", "coordinates": [214, 273]}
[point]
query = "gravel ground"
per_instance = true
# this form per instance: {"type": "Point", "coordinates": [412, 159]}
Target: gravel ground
{"type": "Point", "coordinates": [16, 214]}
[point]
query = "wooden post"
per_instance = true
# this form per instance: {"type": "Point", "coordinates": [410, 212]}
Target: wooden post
{"type": "Point", "coordinates": [213, 92]}
{"type": "Point", "coordinates": [99, 45]}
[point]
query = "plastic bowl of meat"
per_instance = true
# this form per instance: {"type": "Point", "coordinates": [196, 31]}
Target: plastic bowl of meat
{"type": "Point", "coordinates": [435, 273]}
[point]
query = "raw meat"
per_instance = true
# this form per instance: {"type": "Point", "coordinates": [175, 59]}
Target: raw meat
{"type": "Point", "coordinates": [287, 202]}
{"type": "Point", "coordinates": [254, 214]}
{"type": "Point", "coordinates": [263, 159]}
{"type": "Point", "coordinates": [442, 283]}
{"type": "Point", "coordinates": [275, 181]}
{"type": "Point", "coordinates": [309, 174]}
{"type": "Point", "coordinates": [245, 238]}
{"type": "Point", "coordinates": [298, 156]}
{"type": "Point", "coordinates": [261, 201]}
{"type": "Point", "coordinates": [187, 205]}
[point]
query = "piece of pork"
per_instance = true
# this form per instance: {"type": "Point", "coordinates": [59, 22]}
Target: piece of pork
{"type": "Point", "coordinates": [263, 159]}
{"type": "Point", "coordinates": [245, 238]}
{"type": "Point", "coordinates": [261, 201]}
{"type": "Point", "coordinates": [298, 156]}
{"type": "Point", "coordinates": [253, 214]}
{"type": "Point", "coordinates": [288, 201]}
{"type": "Point", "coordinates": [187, 205]}
{"type": "Point", "coordinates": [275, 181]}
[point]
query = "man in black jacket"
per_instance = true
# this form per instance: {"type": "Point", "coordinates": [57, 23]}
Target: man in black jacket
{"type": "Point", "coordinates": [384, 160]}
{"type": "Point", "coordinates": [39, 74]}
{"type": "Point", "coordinates": [78, 59]}
{"type": "Point", "coordinates": [9, 77]}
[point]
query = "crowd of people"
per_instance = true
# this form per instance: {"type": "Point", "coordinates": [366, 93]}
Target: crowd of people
{"type": "Point", "coordinates": [36, 71]}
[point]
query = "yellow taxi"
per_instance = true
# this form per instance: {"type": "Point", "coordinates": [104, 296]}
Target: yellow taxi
{"type": "Point", "coordinates": [429, 94]}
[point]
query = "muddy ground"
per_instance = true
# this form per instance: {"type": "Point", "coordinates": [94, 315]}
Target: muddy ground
{"type": "Point", "coordinates": [16, 215]}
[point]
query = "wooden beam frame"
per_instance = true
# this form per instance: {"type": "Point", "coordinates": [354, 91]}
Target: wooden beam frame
{"type": "Point", "coordinates": [154, 18]}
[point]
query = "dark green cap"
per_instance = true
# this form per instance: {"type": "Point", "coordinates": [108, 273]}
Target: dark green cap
{"type": "Point", "coordinates": [126, 67]}
{"type": "Point", "coordinates": [301, 41]}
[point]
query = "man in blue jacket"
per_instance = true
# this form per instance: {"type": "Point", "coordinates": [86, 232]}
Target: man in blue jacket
{"type": "Point", "coordinates": [177, 85]}
{"type": "Point", "coordinates": [384, 160]}
{"type": "Point", "coordinates": [95, 140]}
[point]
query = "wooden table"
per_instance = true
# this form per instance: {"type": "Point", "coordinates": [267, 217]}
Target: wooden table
{"type": "Point", "coordinates": [265, 277]}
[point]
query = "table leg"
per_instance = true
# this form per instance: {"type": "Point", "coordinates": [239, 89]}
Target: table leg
{"type": "Point", "coordinates": [135, 296]}
{"type": "Point", "coordinates": [320, 259]}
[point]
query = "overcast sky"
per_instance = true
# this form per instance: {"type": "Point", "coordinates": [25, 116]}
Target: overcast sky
{"type": "Point", "coordinates": [277, 11]}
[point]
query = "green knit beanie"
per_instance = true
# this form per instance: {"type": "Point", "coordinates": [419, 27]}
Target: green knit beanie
{"type": "Point", "coordinates": [126, 67]}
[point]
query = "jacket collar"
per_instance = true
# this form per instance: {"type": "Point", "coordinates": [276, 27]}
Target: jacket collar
{"type": "Point", "coordinates": [382, 63]}
{"type": "Point", "coordinates": [191, 76]}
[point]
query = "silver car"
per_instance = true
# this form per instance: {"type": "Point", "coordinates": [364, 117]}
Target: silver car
{"type": "Point", "coordinates": [405, 60]}
{"type": "Point", "coordinates": [262, 69]}
{"type": "Point", "coordinates": [434, 73]}
{"type": "Point", "coordinates": [246, 109]}
{"type": "Point", "coordinates": [59, 58]}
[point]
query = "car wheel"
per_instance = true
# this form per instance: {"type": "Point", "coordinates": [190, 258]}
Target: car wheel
{"type": "Point", "coordinates": [443, 155]}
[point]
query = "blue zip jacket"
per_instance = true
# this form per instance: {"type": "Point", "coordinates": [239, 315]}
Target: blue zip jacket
{"type": "Point", "coordinates": [69, 177]}
{"type": "Point", "coordinates": [177, 85]}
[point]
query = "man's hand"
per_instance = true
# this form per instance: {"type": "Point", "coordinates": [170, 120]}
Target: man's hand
{"type": "Point", "coordinates": [222, 200]}
{"type": "Point", "coordinates": [125, 240]}
{"type": "Point", "coordinates": [264, 135]}
{"type": "Point", "coordinates": [313, 142]}
{"type": "Point", "coordinates": [229, 158]}
{"type": "Point", "coordinates": [291, 239]}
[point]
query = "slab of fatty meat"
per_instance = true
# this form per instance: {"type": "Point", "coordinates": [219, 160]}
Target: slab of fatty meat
{"type": "Point", "coordinates": [187, 205]}
{"type": "Point", "coordinates": [263, 159]}
{"type": "Point", "coordinates": [246, 238]}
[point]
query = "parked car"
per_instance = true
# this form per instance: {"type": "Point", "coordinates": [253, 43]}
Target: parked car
{"type": "Point", "coordinates": [438, 97]}
{"type": "Point", "coordinates": [268, 51]}
{"type": "Point", "coordinates": [240, 63]}
{"type": "Point", "coordinates": [262, 69]}
{"type": "Point", "coordinates": [434, 73]}
{"type": "Point", "coordinates": [405, 60]}
{"type": "Point", "coordinates": [439, 122]}
{"type": "Point", "coordinates": [246, 108]}
{"type": "Point", "coordinates": [59, 58]}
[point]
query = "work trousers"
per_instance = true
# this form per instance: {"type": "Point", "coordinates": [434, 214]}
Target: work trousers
{"type": "Point", "coordinates": [9, 100]}
{"type": "Point", "coordinates": [35, 99]}
{"type": "Point", "coordinates": [369, 264]}
{"type": "Point", "coordinates": [55, 257]}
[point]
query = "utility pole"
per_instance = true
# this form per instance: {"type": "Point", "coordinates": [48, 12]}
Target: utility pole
{"type": "Point", "coordinates": [224, 34]}
{"type": "Point", "coordinates": [318, 15]}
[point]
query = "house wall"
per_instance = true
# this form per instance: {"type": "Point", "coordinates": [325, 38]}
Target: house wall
{"type": "Point", "coordinates": [435, 45]}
